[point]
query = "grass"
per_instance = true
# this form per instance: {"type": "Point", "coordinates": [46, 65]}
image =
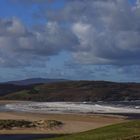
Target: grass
{"type": "Point", "coordinates": [53, 123]}
{"type": "Point", "coordinates": [123, 131]}
{"type": "Point", "coordinates": [75, 91]}
{"type": "Point", "coordinates": [10, 124]}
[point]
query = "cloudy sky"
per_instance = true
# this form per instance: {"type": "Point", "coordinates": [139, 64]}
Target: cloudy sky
{"type": "Point", "coordinates": [70, 39]}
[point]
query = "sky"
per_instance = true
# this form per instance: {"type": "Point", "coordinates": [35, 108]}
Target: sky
{"type": "Point", "coordinates": [70, 39]}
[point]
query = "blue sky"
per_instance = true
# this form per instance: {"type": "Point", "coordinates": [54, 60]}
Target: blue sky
{"type": "Point", "coordinates": [94, 44]}
{"type": "Point", "coordinates": [132, 2]}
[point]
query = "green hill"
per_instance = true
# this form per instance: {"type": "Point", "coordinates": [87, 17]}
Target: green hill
{"type": "Point", "coordinates": [79, 91]}
{"type": "Point", "coordinates": [123, 131]}
{"type": "Point", "coordinates": [7, 88]}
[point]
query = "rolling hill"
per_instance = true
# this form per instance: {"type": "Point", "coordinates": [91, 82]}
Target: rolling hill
{"type": "Point", "coordinates": [10, 88]}
{"type": "Point", "coordinates": [34, 81]}
{"type": "Point", "coordinates": [78, 91]}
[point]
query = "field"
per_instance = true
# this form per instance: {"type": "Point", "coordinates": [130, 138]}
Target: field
{"type": "Point", "coordinates": [123, 131]}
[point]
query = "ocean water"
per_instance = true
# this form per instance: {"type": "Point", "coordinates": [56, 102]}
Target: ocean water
{"type": "Point", "coordinates": [74, 107]}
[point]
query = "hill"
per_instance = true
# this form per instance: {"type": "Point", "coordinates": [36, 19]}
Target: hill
{"type": "Point", "coordinates": [34, 81]}
{"type": "Point", "coordinates": [79, 91]}
{"type": "Point", "coordinates": [10, 88]}
{"type": "Point", "coordinates": [123, 131]}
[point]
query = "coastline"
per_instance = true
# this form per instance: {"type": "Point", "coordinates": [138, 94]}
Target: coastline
{"type": "Point", "coordinates": [71, 107]}
{"type": "Point", "coordinates": [73, 122]}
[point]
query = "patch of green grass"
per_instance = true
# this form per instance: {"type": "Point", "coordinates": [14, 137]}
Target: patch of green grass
{"type": "Point", "coordinates": [9, 124]}
{"type": "Point", "coordinates": [53, 123]}
{"type": "Point", "coordinates": [124, 131]}
{"type": "Point", "coordinates": [18, 95]}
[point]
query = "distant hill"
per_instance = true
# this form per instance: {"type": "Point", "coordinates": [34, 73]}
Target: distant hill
{"type": "Point", "coordinates": [79, 91]}
{"type": "Point", "coordinates": [34, 81]}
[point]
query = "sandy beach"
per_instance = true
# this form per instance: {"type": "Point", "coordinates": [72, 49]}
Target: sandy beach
{"type": "Point", "coordinates": [73, 123]}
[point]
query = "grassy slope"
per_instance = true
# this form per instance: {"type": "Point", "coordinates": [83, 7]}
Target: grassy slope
{"type": "Point", "coordinates": [79, 91]}
{"type": "Point", "coordinates": [6, 88]}
{"type": "Point", "coordinates": [123, 131]}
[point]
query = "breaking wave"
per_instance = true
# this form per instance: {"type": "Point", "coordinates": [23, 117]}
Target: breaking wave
{"type": "Point", "coordinates": [71, 107]}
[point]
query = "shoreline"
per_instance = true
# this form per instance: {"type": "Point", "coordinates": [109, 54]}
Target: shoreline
{"type": "Point", "coordinates": [135, 115]}
{"type": "Point", "coordinates": [73, 122]}
{"type": "Point", "coordinates": [70, 107]}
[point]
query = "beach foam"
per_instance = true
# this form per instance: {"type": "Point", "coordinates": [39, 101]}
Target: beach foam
{"type": "Point", "coordinates": [69, 107]}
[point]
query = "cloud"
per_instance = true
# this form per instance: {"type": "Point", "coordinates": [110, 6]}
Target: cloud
{"type": "Point", "coordinates": [105, 32]}
{"type": "Point", "coordinates": [20, 46]}
{"type": "Point", "coordinates": [108, 30]}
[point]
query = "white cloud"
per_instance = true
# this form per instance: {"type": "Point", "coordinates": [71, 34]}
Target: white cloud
{"type": "Point", "coordinates": [109, 31]}
{"type": "Point", "coordinates": [94, 31]}
{"type": "Point", "coordinates": [19, 45]}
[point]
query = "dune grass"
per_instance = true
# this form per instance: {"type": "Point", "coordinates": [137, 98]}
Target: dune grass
{"type": "Point", "coordinates": [10, 124]}
{"type": "Point", "coordinates": [123, 131]}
